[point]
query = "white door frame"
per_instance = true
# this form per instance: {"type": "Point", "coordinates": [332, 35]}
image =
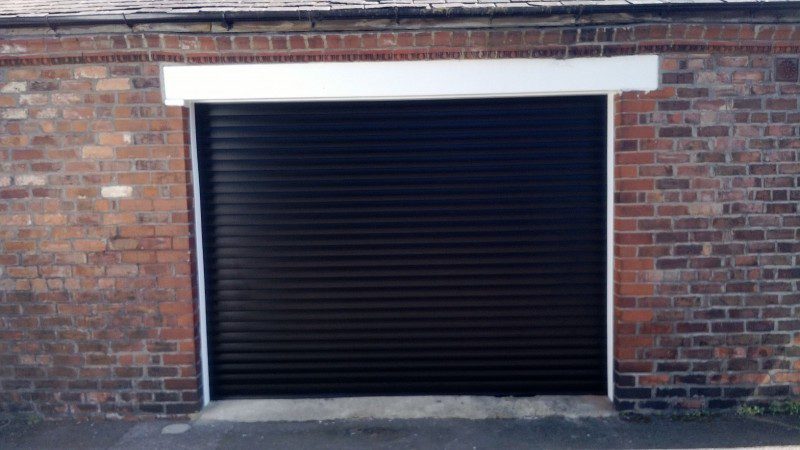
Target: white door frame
{"type": "Point", "coordinates": [446, 79]}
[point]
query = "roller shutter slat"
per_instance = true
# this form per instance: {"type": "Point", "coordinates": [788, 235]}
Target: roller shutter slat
{"type": "Point", "coordinates": [405, 247]}
{"type": "Point", "coordinates": [395, 293]}
{"type": "Point", "coordinates": [293, 340]}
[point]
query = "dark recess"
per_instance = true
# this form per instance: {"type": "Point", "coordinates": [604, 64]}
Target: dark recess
{"type": "Point", "coordinates": [405, 247]}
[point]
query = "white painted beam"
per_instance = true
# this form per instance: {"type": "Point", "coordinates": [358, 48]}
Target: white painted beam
{"type": "Point", "coordinates": [332, 81]}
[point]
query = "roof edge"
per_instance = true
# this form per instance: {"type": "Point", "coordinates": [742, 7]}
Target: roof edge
{"type": "Point", "coordinates": [403, 12]}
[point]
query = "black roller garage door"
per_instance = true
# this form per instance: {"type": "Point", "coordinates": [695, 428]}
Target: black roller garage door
{"type": "Point", "coordinates": [405, 247]}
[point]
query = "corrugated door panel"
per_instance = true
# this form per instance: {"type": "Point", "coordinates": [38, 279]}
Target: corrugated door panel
{"type": "Point", "coordinates": [414, 247]}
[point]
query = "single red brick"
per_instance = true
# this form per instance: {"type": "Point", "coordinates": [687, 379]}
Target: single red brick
{"type": "Point", "coordinates": [636, 315]}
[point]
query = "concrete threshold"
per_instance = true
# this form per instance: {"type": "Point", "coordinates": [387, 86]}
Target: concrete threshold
{"type": "Point", "coordinates": [410, 407]}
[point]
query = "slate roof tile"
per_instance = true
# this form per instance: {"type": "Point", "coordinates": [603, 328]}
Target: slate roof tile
{"type": "Point", "coordinates": [10, 9]}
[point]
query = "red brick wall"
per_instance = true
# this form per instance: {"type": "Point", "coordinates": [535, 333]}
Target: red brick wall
{"type": "Point", "coordinates": [708, 233]}
{"type": "Point", "coordinates": [97, 306]}
{"type": "Point", "coordinates": [96, 299]}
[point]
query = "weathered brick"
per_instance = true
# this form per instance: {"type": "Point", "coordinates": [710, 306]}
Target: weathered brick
{"type": "Point", "coordinates": [116, 191]}
{"type": "Point", "coordinates": [98, 211]}
{"type": "Point", "coordinates": [30, 180]}
{"type": "Point", "coordinates": [14, 87]}
{"type": "Point", "coordinates": [97, 152]}
{"type": "Point", "coordinates": [91, 72]}
{"type": "Point", "coordinates": [113, 84]}
{"type": "Point", "coordinates": [13, 113]}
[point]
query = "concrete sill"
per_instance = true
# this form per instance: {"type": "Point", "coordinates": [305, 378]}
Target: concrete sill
{"type": "Point", "coordinates": [411, 407]}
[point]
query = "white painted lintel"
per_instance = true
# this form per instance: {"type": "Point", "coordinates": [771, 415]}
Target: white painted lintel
{"type": "Point", "coordinates": [407, 80]}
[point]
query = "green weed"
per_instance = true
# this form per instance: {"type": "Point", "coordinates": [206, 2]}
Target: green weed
{"type": "Point", "coordinates": [750, 410]}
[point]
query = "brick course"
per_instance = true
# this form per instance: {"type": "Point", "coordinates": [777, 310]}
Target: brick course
{"type": "Point", "coordinates": [97, 302]}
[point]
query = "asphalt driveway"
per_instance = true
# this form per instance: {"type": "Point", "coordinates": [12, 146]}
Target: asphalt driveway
{"type": "Point", "coordinates": [546, 433]}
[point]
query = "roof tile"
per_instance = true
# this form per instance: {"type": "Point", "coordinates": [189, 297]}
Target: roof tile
{"type": "Point", "coordinates": [10, 9]}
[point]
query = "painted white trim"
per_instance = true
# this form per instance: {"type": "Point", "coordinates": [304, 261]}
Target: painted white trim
{"type": "Point", "coordinates": [610, 244]}
{"type": "Point", "coordinates": [201, 279]}
{"type": "Point", "coordinates": [407, 79]}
